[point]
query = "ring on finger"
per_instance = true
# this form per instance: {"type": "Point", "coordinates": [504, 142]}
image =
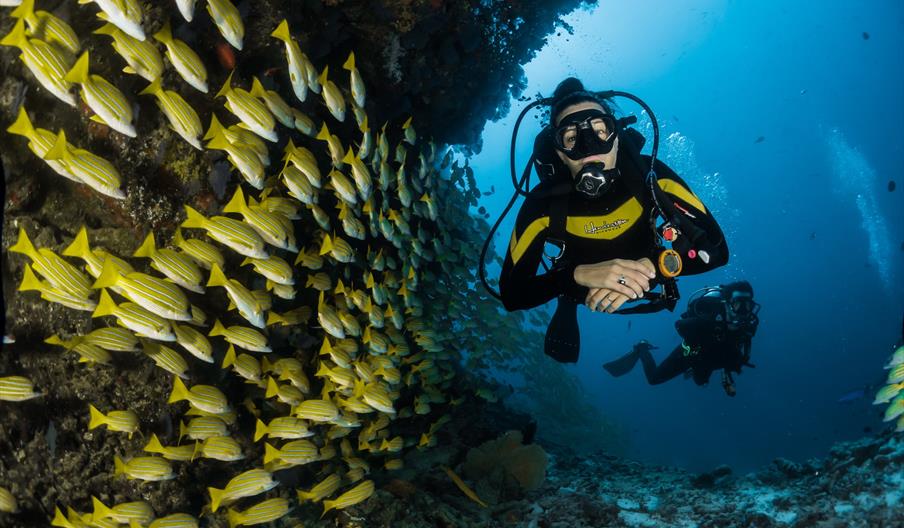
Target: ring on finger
{"type": "Point", "coordinates": [622, 281]}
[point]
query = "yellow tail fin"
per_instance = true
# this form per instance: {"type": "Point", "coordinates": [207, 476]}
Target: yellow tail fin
{"type": "Point", "coordinates": [257, 89]}
{"type": "Point", "coordinates": [227, 86]}
{"type": "Point", "coordinates": [194, 219]}
{"type": "Point", "coordinates": [327, 506]}
{"type": "Point", "coordinates": [324, 133]}
{"type": "Point", "coordinates": [165, 35]}
{"type": "Point", "coordinates": [148, 248]}
{"type": "Point", "coordinates": [107, 29]}
{"type": "Point", "coordinates": [274, 318]}
{"type": "Point", "coordinates": [260, 429]}
{"type": "Point", "coordinates": [327, 245]}
{"type": "Point", "coordinates": [60, 520]}
{"type": "Point", "coordinates": [60, 148]}
{"type": "Point", "coordinates": [217, 278]}
{"type": "Point", "coordinates": [349, 156]}
{"type": "Point", "coordinates": [237, 203]}
{"type": "Point", "coordinates": [119, 467]}
{"type": "Point", "coordinates": [216, 497]}
{"type": "Point", "coordinates": [16, 37]}
{"type": "Point", "coordinates": [216, 128]}
{"type": "Point", "coordinates": [183, 430]}
{"type": "Point", "coordinates": [105, 306]}
{"type": "Point", "coordinates": [272, 388]}
{"type": "Point", "coordinates": [30, 282]}
{"type": "Point", "coordinates": [109, 276]}
{"type": "Point", "coordinates": [79, 246]}
{"type": "Point", "coordinates": [323, 75]}
{"type": "Point", "coordinates": [97, 417]}
{"type": "Point", "coordinates": [26, 10]}
{"type": "Point", "coordinates": [180, 391]}
{"type": "Point", "coordinates": [282, 32]}
{"type": "Point", "coordinates": [229, 358]}
{"type": "Point", "coordinates": [234, 518]}
{"type": "Point", "coordinates": [101, 511]}
{"type": "Point", "coordinates": [270, 453]}
{"type": "Point", "coordinates": [79, 71]}
{"type": "Point", "coordinates": [350, 62]}
{"type": "Point", "coordinates": [154, 446]}
{"type": "Point", "coordinates": [23, 245]}
{"type": "Point", "coordinates": [152, 89]}
{"type": "Point", "coordinates": [22, 126]}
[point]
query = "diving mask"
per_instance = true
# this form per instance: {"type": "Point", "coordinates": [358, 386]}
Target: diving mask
{"type": "Point", "coordinates": [585, 133]}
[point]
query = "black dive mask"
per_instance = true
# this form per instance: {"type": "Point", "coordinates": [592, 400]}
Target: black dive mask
{"type": "Point", "coordinates": [585, 133]}
{"type": "Point", "coordinates": [594, 179]}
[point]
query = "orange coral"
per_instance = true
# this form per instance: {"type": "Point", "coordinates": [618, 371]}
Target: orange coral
{"type": "Point", "coordinates": [507, 459]}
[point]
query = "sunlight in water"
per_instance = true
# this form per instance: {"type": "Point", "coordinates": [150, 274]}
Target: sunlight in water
{"type": "Point", "coordinates": [855, 178]}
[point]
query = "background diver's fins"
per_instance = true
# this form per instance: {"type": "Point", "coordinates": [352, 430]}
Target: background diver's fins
{"type": "Point", "coordinates": [563, 337]}
{"type": "Point", "coordinates": [622, 365]}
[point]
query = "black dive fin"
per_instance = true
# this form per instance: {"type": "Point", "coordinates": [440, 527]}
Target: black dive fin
{"type": "Point", "coordinates": [563, 337]}
{"type": "Point", "coordinates": [622, 365]}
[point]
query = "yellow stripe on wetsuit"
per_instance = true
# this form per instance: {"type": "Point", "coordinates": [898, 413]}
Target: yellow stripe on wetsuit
{"type": "Point", "coordinates": [604, 227]}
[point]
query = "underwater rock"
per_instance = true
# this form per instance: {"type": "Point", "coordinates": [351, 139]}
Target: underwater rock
{"type": "Point", "coordinates": [507, 464]}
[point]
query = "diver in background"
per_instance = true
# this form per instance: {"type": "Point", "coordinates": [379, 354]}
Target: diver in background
{"type": "Point", "coordinates": [716, 332]}
{"type": "Point", "coordinates": [601, 217]}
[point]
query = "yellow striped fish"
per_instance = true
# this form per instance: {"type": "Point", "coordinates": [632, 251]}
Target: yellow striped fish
{"type": "Point", "coordinates": [349, 323]}
{"type": "Point", "coordinates": [144, 468]}
{"type": "Point", "coordinates": [243, 337]}
{"type": "Point", "coordinates": [243, 158]}
{"type": "Point", "coordinates": [203, 427]}
{"type": "Point", "coordinates": [333, 144]}
{"type": "Point", "coordinates": [309, 259]}
{"type": "Point", "coordinates": [350, 224]}
{"type": "Point", "coordinates": [31, 283]}
{"type": "Point", "coordinates": [242, 139]}
{"type": "Point", "coordinates": [248, 484]}
{"type": "Point", "coordinates": [266, 511]}
{"type": "Point", "coordinates": [316, 410]}
{"type": "Point", "coordinates": [40, 140]}
{"type": "Point", "coordinates": [323, 220]}
{"type": "Point", "coordinates": [296, 60]}
{"type": "Point", "coordinates": [332, 97]}
{"type": "Point", "coordinates": [135, 318]}
{"type": "Point", "coordinates": [319, 281]}
{"type": "Point", "coordinates": [45, 61]}
{"type": "Point", "coordinates": [356, 83]}
{"type": "Point", "coordinates": [58, 272]}
{"type": "Point", "coordinates": [359, 493]}
{"type": "Point", "coordinates": [184, 59]}
{"type": "Point", "coordinates": [277, 106]}
{"type": "Point", "coordinates": [7, 501]}
{"type": "Point", "coordinates": [295, 316]}
{"type": "Point", "coordinates": [285, 427]}
{"type": "Point", "coordinates": [298, 184]}
{"type": "Point", "coordinates": [223, 448]}
{"type": "Point", "coordinates": [244, 365]}
{"type": "Point", "coordinates": [139, 512]}
{"type": "Point", "coordinates": [360, 174]}
{"type": "Point", "coordinates": [94, 259]}
{"type": "Point", "coordinates": [250, 111]}
{"type": "Point", "coordinates": [181, 116]}
{"type": "Point", "coordinates": [176, 520]}
{"type": "Point", "coordinates": [47, 27]}
{"type": "Point", "coordinates": [244, 300]}
{"type": "Point", "coordinates": [166, 358]}
{"type": "Point", "coordinates": [179, 453]}
{"type": "Point", "coordinates": [204, 253]}
{"type": "Point", "coordinates": [90, 169]}
{"type": "Point", "coordinates": [303, 160]}
{"type": "Point", "coordinates": [204, 397]}
{"type": "Point", "coordinates": [321, 490]}
{"type": "Point", "coordinates": [296, 453]}
{"type": "Point", "coordinates": [234, 234]}
{"type": "Point", "coordinates": [274, 229]}
{"type": "Point", "coordinates": [141, 56]}
{"type": "Point", "coordinates": [303, 123]}
{"type": "Point", "coordinates": [337, 248]}
{"type": "Point", "coordinates": [329, 319]}
{"type": "Point", "coordinates": [124, 14]}
{"type": "Point", "coordinates": [177, 267]}
{"type": "Point", "coordinates": [194, 342]}
{"type": "Point", "coordinates": [113, 339]}
{"type": "Point", "coordinates": [282, 291]}
{"type": "Point", "coordinates": [156, 295]}
{"type": "Point", "coordinates": [108, 103]}
{"type": "Point", "coordinates": [280, 205]}
{"type": "Point", "coordinates": [288, 394]}
{"type": "Point", "coordinates": [228, 20]}
{"type": "Point", "coordinates": [88, 353]}
{"type": "Point", "coordinates": [273, 268]}
{"type": "Point", "coordinates": [463, 487]}
{"type": "Point", "coordinates": [17, 388]}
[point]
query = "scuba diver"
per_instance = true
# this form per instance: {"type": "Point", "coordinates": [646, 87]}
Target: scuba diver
{"type": "Point", "coordinates": [716, 331]}
{"type": "Point", "coordinates": [596, 207]}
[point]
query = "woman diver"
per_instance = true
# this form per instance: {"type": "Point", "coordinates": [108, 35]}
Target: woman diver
{"type": "Point", "coordinates": [596, 207]}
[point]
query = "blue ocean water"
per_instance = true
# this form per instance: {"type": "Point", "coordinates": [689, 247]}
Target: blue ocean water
{"type": "Point", "coordinates": [785, 118]}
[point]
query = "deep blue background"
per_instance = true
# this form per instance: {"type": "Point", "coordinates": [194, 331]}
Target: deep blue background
{"type": "Point", "coordinates": [828, 272]}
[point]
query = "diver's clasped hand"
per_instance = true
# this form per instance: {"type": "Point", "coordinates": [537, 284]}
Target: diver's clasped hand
{"type": "Point", "coordinates": [614, 282]}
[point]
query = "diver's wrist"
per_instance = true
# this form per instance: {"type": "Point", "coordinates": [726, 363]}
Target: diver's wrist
{"type": "Point", "coordinates": [579, 274]}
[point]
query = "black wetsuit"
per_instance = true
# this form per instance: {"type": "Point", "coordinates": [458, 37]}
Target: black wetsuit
{"type": "Point", "coordinates": [615, 225]}
{"type": "Point", "coordinates": [709, 344]}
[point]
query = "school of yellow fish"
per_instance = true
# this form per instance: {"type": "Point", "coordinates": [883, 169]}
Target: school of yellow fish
{"type": "Point", "coordinates": [379, 223]}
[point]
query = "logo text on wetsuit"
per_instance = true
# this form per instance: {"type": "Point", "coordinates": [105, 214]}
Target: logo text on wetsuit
{"type": "Point", "coordinates": [590, 229]}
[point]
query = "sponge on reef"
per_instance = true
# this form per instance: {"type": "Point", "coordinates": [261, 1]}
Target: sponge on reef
{"type": "Point", "coordinates": [507, 462]}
